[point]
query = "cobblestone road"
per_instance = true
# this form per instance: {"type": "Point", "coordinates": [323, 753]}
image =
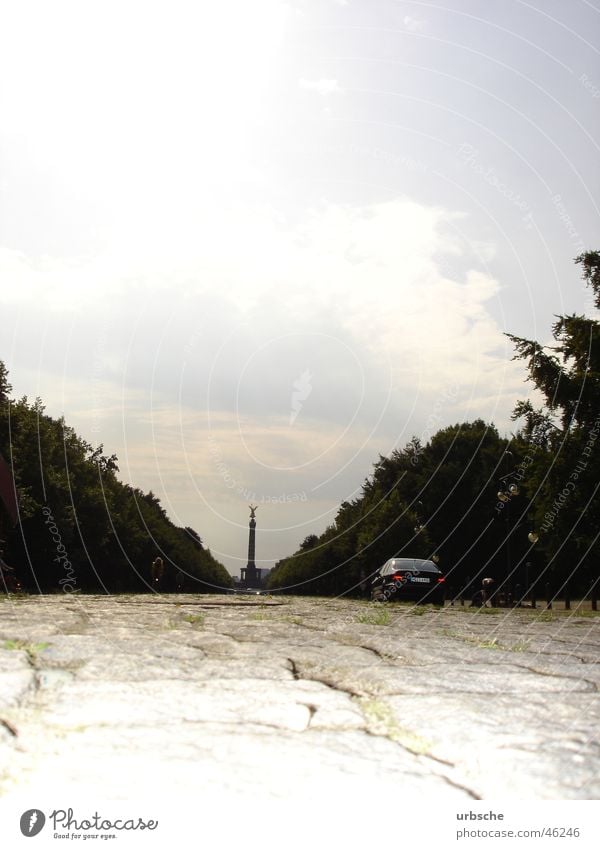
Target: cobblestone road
{"type": "Point", "coordinates": [290, 696]}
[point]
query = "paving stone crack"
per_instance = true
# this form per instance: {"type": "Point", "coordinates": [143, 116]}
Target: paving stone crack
{"type": "Point", "coordinates": [459, 786]}
{"type": "Point", "coordinates": [347, 691]}
{"type": "Point", "coordinates": [9, 727]}
{"type": "Point", "coordinates": [374, 733]}
{"type": "Point", "coordinates": [428, 718]}
{"type": "Point", "coordinates": [312, 709]}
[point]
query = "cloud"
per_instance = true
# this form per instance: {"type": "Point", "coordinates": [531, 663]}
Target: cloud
{"type": "Point", "coordinates": [186, 358]}
{"type": "Point", "coordinates": [324, 87]}
{"type": "Point", "coordinates": [354, 295]}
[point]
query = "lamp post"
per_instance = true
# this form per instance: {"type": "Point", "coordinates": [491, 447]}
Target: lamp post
{"type": "Point", "coordinates": [419, 525]}
{"type": "Point", "coordinates": [533, 537]}
{"type": "Point", "coordinates": [505, 497]}
{"type": "Point", "coordinates": [507, 492]}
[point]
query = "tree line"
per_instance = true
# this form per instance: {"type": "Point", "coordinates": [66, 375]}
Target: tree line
{"type": "Point", "coordinates": [523, 510]}
{"type": "Point", "coordinates": [79, 527]}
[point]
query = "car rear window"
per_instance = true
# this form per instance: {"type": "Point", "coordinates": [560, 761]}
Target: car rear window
{"type": "Point", "coordinates": [408, 563]}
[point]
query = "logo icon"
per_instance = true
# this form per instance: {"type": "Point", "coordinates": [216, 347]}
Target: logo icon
{"type": "Point", "coordinates": [302, 389]}
{"type": "Point", "coordinates": [32, 822]}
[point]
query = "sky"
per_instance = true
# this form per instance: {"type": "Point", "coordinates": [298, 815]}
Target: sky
{"type": "Point", "coordinates": [249, 247]}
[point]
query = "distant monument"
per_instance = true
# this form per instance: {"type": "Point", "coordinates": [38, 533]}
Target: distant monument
{"type": "Point", "coordinates": [250, 577]}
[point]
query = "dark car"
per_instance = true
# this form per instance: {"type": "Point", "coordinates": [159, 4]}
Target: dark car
{"type": "Point", "coordinates": [408, 579]}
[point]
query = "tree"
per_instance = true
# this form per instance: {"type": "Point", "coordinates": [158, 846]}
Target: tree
{"type": "Point", "coordinates": [5, 387]}
{"type": "Point", "coordinates": [424, 499]}
{"type": "Point", "coordinates": [80, 527]}
{"type": "Point", "coordinates": [565, 431]}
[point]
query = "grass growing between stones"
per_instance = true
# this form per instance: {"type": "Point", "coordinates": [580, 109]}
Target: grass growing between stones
{"type": "Point", "coordinates": [381, 721]}
{"type": "Point", "coordinates": [520, 645]}
{"type": "Point", "coordinates": [488, 644]}
{"type": "Point", "coordinates": [494, 644]}
{"type": "Point", "coordinates": [545, 616]}
{"type": "Point", "coordinates": [293, 620]}
{"type": "Point", "coordinates": [587, 614]}
{"type": "Point", "coordinates": [195, 620]}
{"type": "Point", "coordinates": [382, 617]}
{"type": "Point", "coordinates": [475, 641]}
{"type": "Point", "coordinates": [21, 645]}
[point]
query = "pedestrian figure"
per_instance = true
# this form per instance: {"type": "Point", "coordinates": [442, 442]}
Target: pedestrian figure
{"type": "Point", "coordinates": [179, 581]}
{"type": "Point", "coordinates": [487, 592]}
{"type": "Point", "coordinates": [158, 571]}
{"type": "Point", "coordinates": [484, 596]}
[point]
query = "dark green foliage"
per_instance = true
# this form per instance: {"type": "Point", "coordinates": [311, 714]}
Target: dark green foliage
{"type": "Point", "coordinates": [5, 387]}
{"type": "Point", "coordinates": [81, 528]}
{"type": "Point", "coordinates": [563, 485]}
{"type": "Point", "coordinates": [451, 485]}
{"type": "Point", "coordinates": [438, 498]}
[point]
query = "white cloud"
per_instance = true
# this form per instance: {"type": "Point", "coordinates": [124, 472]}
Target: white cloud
{"type": "Point", "coordinates": [352, 295]}
{"type": "Point", "coordinates": [360, 285]}
{"type": "Point", "coordinates": [164, 256]}
{"type": "Point", "coordinates": [324, 87]}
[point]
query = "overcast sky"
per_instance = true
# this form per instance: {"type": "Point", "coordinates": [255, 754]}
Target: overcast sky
{"type": "Point", "coordinates": [249, 246]}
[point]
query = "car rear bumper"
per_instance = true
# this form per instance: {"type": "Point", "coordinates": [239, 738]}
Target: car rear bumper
{"type": "Point", "coordinates": [397, 591]}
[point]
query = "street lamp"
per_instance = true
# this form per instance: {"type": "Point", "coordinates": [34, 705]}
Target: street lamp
{"type": "Point", "coordinates": [505, 497]}
{"type": "Point", "coordinates": [506, 494]}
{"type": "Point", "coordinates": [419, 526]}
{"type": "Point", "coordinates": [508, 491]}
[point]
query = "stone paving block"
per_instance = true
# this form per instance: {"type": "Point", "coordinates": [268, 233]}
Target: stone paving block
{"type": "Point", "coordinates": [14, 686]}
{"type": "Point", "coordinates": [17, 677]}
{"type": "Point", "coordinates": [200, 760]}
{"type": "Point", "coordinates": [297, 697]}
{"type": "Point", "coordinates": [280, 704]}
{"type": "Point", "coordinates": [526, 748]}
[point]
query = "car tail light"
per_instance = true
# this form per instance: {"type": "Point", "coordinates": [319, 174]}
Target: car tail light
{"type": "Point", "coordinates": [397, 577]}
{"type": "Point", "coordinates": [441, 580]}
